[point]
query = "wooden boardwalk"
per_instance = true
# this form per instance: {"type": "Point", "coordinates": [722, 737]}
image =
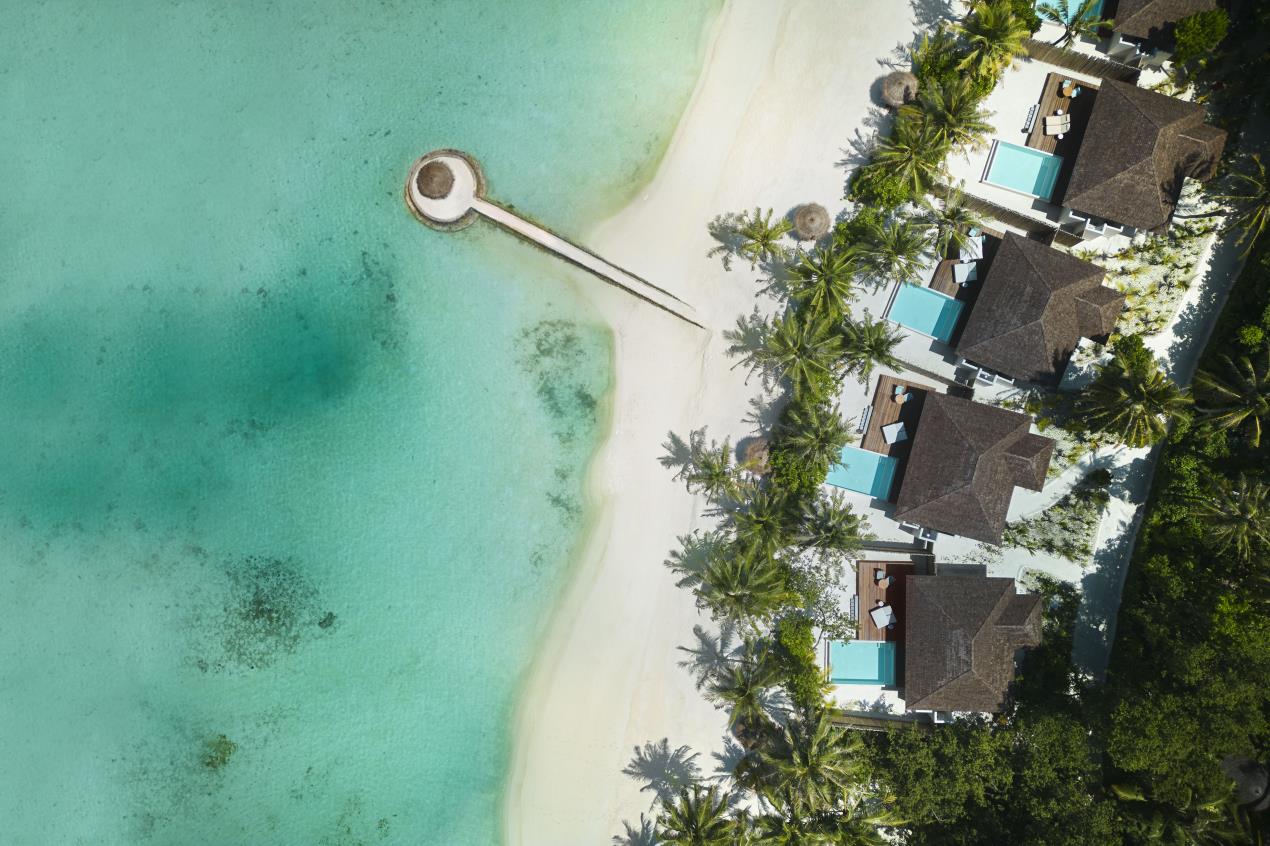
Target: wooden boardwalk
{"type": "Point", "coordinates": [887, 411]}
{"type": "Point", "coordinates": [870, 592]}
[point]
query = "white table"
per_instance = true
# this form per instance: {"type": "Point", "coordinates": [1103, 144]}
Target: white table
{"type": "Point", "coordinates": [883, 616]}
{"type": "Point", "coordinates": [965, 272]}
{"type": "Point", "coordinates": [894, 433]}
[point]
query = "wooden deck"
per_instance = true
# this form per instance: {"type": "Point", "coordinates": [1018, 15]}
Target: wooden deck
{"type": "Point", "coordinates": [887, 411]}
{"type": "Point", "coordinates": [942, 280]}
{"type": "Point", "coordinates": [870, 593]}
{"type": "Point", "coordinates": [1052, 100]}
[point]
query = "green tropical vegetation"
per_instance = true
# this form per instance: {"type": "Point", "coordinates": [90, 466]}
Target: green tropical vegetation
{"type": "Point", "coordinates": [1197, 37]}
{"type": "Point", "coordinates": [1133, 758]}
{"type": "Point", "coordinates": [1080, 22]}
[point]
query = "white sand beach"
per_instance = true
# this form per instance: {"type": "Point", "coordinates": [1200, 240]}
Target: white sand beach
{"type": "Point", "coordinates": [785, 87]}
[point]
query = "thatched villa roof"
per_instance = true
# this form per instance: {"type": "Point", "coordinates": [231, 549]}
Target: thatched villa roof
{"type": "Point", "coordinates": [1035, 304]}
{"type": "Point", "coordinates": [812, 221]}
{"type": "Point", "coordinates": [1136, 151]}
{"type": "Point", "coordinates": [964, 464]}
{"type": "Point", "coordinates": [960, 637]}
{"type": "Point", "coordinates": [435, 180]}
{"type": "Point", "coordinates": [1154, 19]}
{"type": "Point", "coordinates": [898, 88]}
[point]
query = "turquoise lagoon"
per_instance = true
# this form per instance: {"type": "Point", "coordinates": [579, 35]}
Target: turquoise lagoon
{"type": "Point", "coordinates": [277, 464]}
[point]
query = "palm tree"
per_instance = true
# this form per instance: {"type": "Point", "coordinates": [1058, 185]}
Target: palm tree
{"type": "Point", "coordinates": [868, 344]}
{"type": "Point", "coordinates": [823, 282]}
{"type": "Point", "coordinates": [915, 153]}
{"type": "Point", "coordinates": [760, 236]}
{"type": "Point", "coordinates": [1250, 201]}
{"type": "Point", "coordinates": [815, 434]}
{"type": "Point", "coordinates": [1240, 398]}
{"type": "Point", "coordinates": [744, 587]}
{"type": "Point", "coordinates": [698, 817]}
{"type": "Point", "coordinates": [829, 523]}
{"type": "Point", "coordinates": [1081, 22]}
{"type": "Point", "coordinates": [804, 351]}
{"type": "Point", "coordinates": [744, 686]}
{"type": "Point", "coordinates": [815, 760]}
{"type": "Point", "coordinates": [951, 112]}
{"type": "Point", "coordinates": [1237, 515]}
{"type": "Point", "coordinates": [950, 221]}
{"type": "Point", "coordinates": [760, 524]}
{"type": "Point", "coordinates": [711, 471]}
{"type": "Point", "coordinates": [893, 252]}
{"type": "Point", "coordinates": [1133, 401]}
{"type": "Point", "coordinates": [994, 37]}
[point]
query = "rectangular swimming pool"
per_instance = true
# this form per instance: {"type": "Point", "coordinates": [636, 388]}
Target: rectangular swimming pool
{"type": "Point", "coordinates": [1069, 7]}
{"type": "Point", "coordinates": [862, 662]}
{"type": "Point", "coordinates": [864, 472]}
{"type": "Point", "coordinates": [1023, 169]}
{"type": "Point", "coordinates": [925, 310]}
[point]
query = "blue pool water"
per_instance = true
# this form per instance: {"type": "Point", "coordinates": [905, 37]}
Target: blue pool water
{"type": "Point", "coordinates": [1069, 7]}
{"type": "Point", "coordinates": [1023, 169]}
{"type": "Point", "coordinates": [862, 662]}
{"type": "Point", "coordinates": [925, 310]}
{"type": "Point", "coordinates": [864, 472]}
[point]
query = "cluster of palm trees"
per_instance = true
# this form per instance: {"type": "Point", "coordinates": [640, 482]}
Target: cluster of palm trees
{"type": "Point", "coordinates": [802, 782]}
{"type": "Point", "coordinates": [956, 68]}
{"type": "Point", "coordinates": [1132, 399]}
{"type": "Point", "coordinates": [1083, 21]}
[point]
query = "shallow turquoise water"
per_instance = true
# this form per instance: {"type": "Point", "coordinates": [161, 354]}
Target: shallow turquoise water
{"type": "Point", "coordinates": [1023, 169]}
{"type": "Point", "coordinates": [277, 463]}
{"type": "Point", "coordinates": [926, 310]}
{"type": "Point", "coordinates": [864, 472]}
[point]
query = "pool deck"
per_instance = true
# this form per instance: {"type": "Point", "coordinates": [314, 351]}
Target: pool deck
{"type": "Point", "coordinates": [1051, 101]}
{"type": "Point", "coordinates": [887, 411]}
{"type": "Point", "coordinates": [870, 592]}
{"type": "Point", "coordinates": [942, 279]}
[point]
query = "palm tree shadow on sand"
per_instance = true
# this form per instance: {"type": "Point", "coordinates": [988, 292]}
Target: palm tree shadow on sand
{"type": "Point", "coordinates": [641, 834]}
{"type": "Point", "coordinates": [663, 771]}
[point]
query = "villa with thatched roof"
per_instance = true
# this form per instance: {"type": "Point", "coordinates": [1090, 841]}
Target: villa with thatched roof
{"type": "Point", "coordinates": [1136, 151]}
{"type": "Point", "coordinates": [1035, 303]}
{"type": "Point", "coordinates": [1153, 20]}
{"type": "Point", "coordinates": [965, 461]}
{"type": "Point", "coordinates": [961, 636]}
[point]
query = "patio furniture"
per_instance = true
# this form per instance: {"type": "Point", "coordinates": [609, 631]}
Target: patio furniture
{"type": "Point", "coordinates": [1057, 125]}
{"type": "Point", "coordinates": [1030, 120]}
{"type": "Point", "coordinates": [884, 582]}
{"type": "Point", "coordinates": [882, 616]}
{"type": "Point", "coordinates": [878, 574]}
{"type": "Point", "coordinates": [865, 416]}
{"type": "Point", "coordinates": [973, 249]}
{"type": "Point", "coordinates": [965, 273]}
{"type": "Point", "coordinates": [894, 433]}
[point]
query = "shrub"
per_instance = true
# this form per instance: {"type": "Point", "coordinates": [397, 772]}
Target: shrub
{"type": "Point", "coordinates": [1198, 35]}
{"type": "Point", "coordinates": [1252, 336]}
{"type": "Point", "coordinates": [1026, 9]}
{"type": "Point", "coordinates": [875, 186]}
{"type": "Point", "coordinates": [796, 654]}
{"type": "Point", "coordinates": [800, 480]}
{"type": "Point", "coordinates": [1265, 319]}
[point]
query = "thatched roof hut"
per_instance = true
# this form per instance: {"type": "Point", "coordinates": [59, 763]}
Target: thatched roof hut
{"type": "Point", "coordinates": [811, 221]}
{"type": "Point", "coordinates": [435, 179]}
{"type": "Point", "coordinates": [755, 456]}
{"type": "Point", "coordinates": [898, 88]}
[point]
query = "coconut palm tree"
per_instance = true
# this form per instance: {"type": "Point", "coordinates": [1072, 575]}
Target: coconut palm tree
{"type": "Point", "coordinates": [868, 344]}
{"type": "Point", "coordinates": [1238, 398]}
{"type": "Point", "coordinates": [760, 524]}
{"type": "Point", "coordinates": [815, 760]}
{"type": "Point", "coordinates": [1081, 22]}
{"type": "Point", "coordinates": [822, 282]}
{"type": "Point", "coordinates": [761, 236]}
{"type": "Point", "coordinates": [951, 112]}
{"type": "Point", "coordinates": [744, 587]}
{"type": "Point", "coordinates": [829, 523]}
{"type": "Point", "coordinates": [804, 351]}
{"type": "Point", "coordinates": [815, 434]}
{"type": "Point", "coordinates": [745, 687]}
{"type": "Point", "coordinates": [994, 37]}
{"type": "Point", "coordinates": [1237, 515]}
{"type": "Point", "coordinates": [711, 471]}
{"type": "Point", "coordinates": [950, 221]}
{"type": "Point", "coordinates": [915, 153]}
{"type": "Point", "coordinates": [1132, 400]}
{"type": "Point", "coordinates": [1249, 199]}
{"type": "Point", "coordinates": [897, 251]}
{"type": "Point", "coordinates": [697, 817]}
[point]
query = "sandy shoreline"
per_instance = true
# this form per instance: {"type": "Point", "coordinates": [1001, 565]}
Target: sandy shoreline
{"type": "Point", "coordinates": [784, 88]}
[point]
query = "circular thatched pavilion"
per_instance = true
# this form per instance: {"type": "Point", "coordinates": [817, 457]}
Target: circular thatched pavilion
{"type": "Point", "coordinates": [435, 180]}
{"type": "Point", "coordinates": [898, 88]}
{"type": "Point", "coordinates": [812, 222]}
{"type": "Point", "coordinates": [755, 456]}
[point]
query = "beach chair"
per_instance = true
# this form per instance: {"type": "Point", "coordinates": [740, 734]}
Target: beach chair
{"type": "Point", "coordinates": [973, 249]}
{"type": "Point", "coordinates": [965, 273]}
{"type": "Point", "coordinates": [1057, 124]}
